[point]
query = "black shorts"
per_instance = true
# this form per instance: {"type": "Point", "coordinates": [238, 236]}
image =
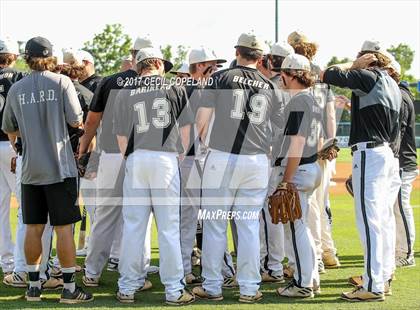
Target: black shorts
{"type": "Point", "coordinates": [57, 200]}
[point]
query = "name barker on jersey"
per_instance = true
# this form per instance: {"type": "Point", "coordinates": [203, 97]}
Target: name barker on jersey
{"type": "Point", "coordinates": [38, 97]}
{"type": "Point", "coordinates": [250, 82]}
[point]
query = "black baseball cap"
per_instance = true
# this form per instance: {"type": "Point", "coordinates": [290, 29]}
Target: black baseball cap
{"type": "Point", "coordinates": [38, 47]}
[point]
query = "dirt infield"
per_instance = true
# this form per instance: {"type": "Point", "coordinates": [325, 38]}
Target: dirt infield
{"type": "Point", "coordinates": [343, 171]}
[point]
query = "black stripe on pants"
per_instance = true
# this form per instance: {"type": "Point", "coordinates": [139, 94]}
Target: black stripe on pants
{"type": "Point", "coordinates": [365, 221]}
{"type": "Point", "coordinates": [266, 239]}
{"type": "Point", "coordinates": [407, 231]}
{"type": "Point", "coordinates": [292, 228]}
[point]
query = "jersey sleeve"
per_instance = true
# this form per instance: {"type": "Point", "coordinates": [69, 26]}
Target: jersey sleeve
{"type": "Point", "coordinates": [185, 115]}
{"type": "Point", "coordinates": [361, 81]}
{"type": "Point", "coordinates": [9, 122]}
{"type": "Point", "coordinates": [72, 110]}
{"type": "Point", "coordinates": [99, 98]}
{"type": "Point", "coordinates": [298, 117]}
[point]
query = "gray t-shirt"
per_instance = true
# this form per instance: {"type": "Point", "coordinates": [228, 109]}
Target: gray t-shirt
{"type": "Point", "coordinates": [40, 106]}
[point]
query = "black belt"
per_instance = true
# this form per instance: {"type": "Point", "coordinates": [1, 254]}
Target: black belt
{"type": "Point", "coordinates": [369, 145]}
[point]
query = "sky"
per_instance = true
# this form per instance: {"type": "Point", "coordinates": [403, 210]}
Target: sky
{"type": "Point", "coordinates": [338, 26]}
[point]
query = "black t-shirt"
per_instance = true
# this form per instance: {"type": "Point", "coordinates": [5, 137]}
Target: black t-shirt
{"type": "Point", "coordinates": [8, 76]}
{"type": "Point", "coordinates": [244, 102]}
{"type": "Point", "coordinates": [92, 82]}
{"type": "Point", "coordinates": [304, 116]}
{"type": "Point", "coordinates": [407, 151]}
{"type": "Point", "coordinates": [103, 101]}
{"type": "Point", "coordinates": [375, 103]}
{"type": "Point", "coordinates": [151, 114]}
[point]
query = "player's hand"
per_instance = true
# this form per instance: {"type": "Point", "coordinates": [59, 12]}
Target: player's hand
{"type": "Point", "coordinates": [363, 61]}
{"type": "Point", "coordinates": [342, 102]}
{"type": "Point", "coordinates": [90, 175]}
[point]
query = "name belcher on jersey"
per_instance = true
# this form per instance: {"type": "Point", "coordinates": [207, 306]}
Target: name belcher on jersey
{"type": "Point", "coordinates": [37, 97]}
{"type": "Point", "coordinates": [250, 82]}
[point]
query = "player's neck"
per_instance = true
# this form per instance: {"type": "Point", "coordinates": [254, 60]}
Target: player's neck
{"type": "Point", "coordinates": [150, 72]}
{"type": "Point", "coordinates": [246, 63]}
{"type": "Point", "coordinates": [296, 88]}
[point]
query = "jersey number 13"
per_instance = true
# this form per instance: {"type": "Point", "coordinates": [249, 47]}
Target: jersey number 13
{"type": "Point", "coordinates": [162, 119]}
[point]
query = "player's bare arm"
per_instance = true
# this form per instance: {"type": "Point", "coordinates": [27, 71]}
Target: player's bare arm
{"type": "Point", "coordinates": [92, 123]}
{"type": "Point", "coordinates": [203, 121]}
{"type": "Point", "coordinates": [294, 156]}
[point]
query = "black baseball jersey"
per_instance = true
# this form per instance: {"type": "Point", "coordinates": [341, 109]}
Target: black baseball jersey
{"type": "Point", "coordinates": [150, 115]}
{"type": "Point", "coordinates": [304, 117]}
{"type": "Point", "coordinates": [8, 76]}
{"type": "Point", "coordinates": [92, 82]}
{"type": "Point", "coordinates": [103, 101]}
{"type": "Point", "coordinates": [407, 150]}
{"type": "Point", "coordinates": [194, 93]}
{"type": "Point", "coordinates": [375, 103]}
{"type": "Point", "coordinates": [244, 102]}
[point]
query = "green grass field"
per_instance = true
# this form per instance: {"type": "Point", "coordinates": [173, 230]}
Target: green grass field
{"type": "Point", "coordinates": [406, 288]}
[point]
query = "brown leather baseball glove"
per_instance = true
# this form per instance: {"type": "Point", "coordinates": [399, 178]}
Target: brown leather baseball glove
{"type": "Point", "coordinates": [284, 204]}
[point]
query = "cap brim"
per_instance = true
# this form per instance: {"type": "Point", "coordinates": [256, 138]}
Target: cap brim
{"type": "Point", "coordinates": [253, 48]}
{"type": "Point", "coordinates": [220, 61]}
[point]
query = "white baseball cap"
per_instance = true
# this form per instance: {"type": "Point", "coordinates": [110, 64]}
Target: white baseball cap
{"type": "Point", "coordinates": [71, 56]}
{"type": "Point", "coordinates": [202, 54]}
{"type": "Point", "coordinates": [296, 62]}
{"type": "Point", "coordinates": [142, 42]}
{"type": "Point", "coordinates": [282, 49]}
{"type": "Point", "coordinates": [7, 46]}
{"type": "Point", "coordinates": [86, 56]}
{"type": "Point", "coordinates": [183, 69]}
{"type": "Point", "coordinates": [373, 46]}
{"type": "Point", "coordinates": [252, 41]}
{"type": "Point", "coordinates": [152, 52]}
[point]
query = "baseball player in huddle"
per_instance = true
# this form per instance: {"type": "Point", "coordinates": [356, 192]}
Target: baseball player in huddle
{"type": "Point", "coordinates": [105, 237]}
{"type": "Point", "coordinates": [272, 236]}
{"type": "Point", "coordinates": [375, 105]}
{"type": "Point", "coordinates": [49, 179]}
{"type": "Point", "coordinates": [297, 164]}
{"type": "Point", "coordinates": [202, 63]}
{"type": "Point", "coordinates": [8, 76]}
{"type": "Point", "coordinates": [319, 217]}
{"type": "Point", "coordinates": [159, 118]}
{"type": "Point", "coordinates": [235, 174]}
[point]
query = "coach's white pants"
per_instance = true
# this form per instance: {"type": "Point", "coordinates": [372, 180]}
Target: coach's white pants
{"type": "Point", "coordinates": [372, 176]}
{"type": "Point", "coordinates": [19, 253]}
{"type": "Point", "coordinates": [233, 183]}
{"type": "Point", "coordinates": [271, 235]}
{"type": "Point", "coordinates": [7, 186]}
{"type": "Point", "coordinates": [297, 234]}
{"type": "Point", "coordinates": [318, 221]}
{"type": "Point", "coordinates": [403, 211]}
{"type": "Point", "coordinates": [108, 220]}
{"type": "Point", "coordinates": [152, 183]}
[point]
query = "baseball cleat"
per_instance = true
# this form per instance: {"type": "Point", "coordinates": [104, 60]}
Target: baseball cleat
{"type": "Point", "coordinates": [331, 261]}
{"type": "Point", "coordinates": [113, 264]}
{"type": "Point", "coordinates": [295, 291]}
{"type": "Point", "coordinates": [251, 299]}
{"type": "Point", "coordinates": [184, 299]}
{"type": "Point", "coordinates": [52, 284]}
{"type": "Point", "coordinates": [360, 294]}
{"type": "Point", "coordinates": [90, 282]}
{"type": "Point", "coordinates": [405, 262]}
{"type": "Point", "coordinates": [270, 278]}
{"type": "Point", "coordinates": [387, 288]}
{"type": "Point", "coordinates": [192, 279]}
{"type": "Point", "coordinates": [229, 282]}
{"type": "Point", "coordinates": [146, 286]}
{"type": "Point", "coordinates": [33, 294]}
{"type": "Point", "coordinates": [15, 279]}
{"type": "Point", "coordinates": [56, 272]}
{"type": "Point", "coordinates": [288, 272]}
{"type": "Point", "coordinates": [201, 293]}
{"type": "Point", "coordinates": [76, 297]}
{"type": "Point", "coordinates": [125, 298]}
{"type": "Point", "coordinates": [81, 252]}
{"type": "Point", "coordinates": [152, 269]}
{"type": "Point", "coordinates": [355, 281]}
